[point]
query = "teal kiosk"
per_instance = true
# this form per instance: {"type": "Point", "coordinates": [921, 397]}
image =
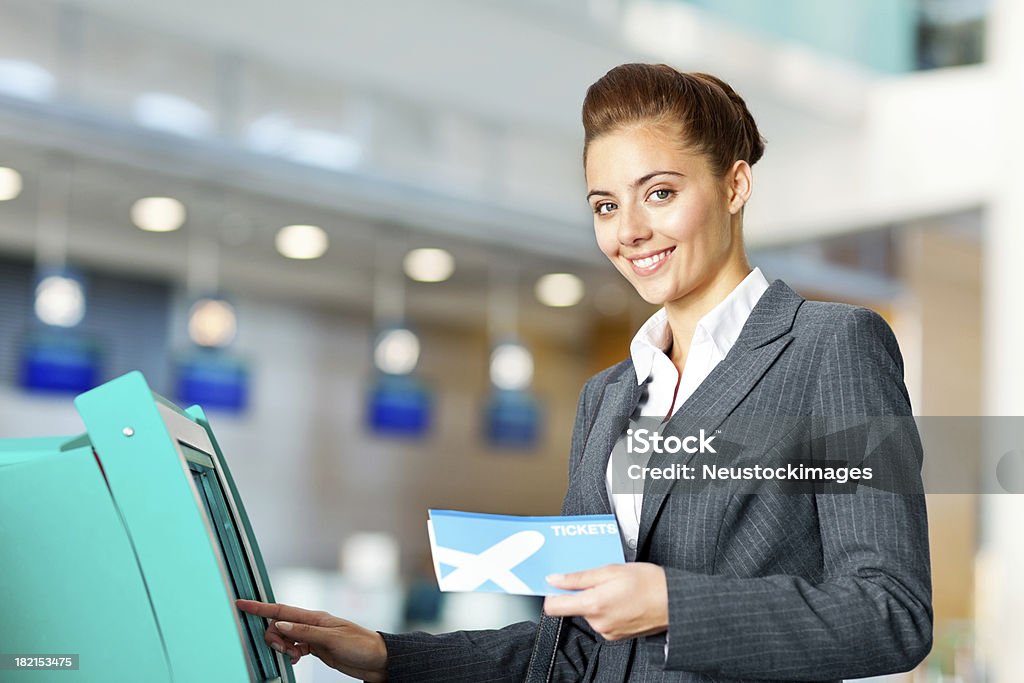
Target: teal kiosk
{"type": "Point", "coordinates": [126, 546]}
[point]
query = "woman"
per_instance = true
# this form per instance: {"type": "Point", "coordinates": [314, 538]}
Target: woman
{"type": "Point", "coordinates": [719, 586]}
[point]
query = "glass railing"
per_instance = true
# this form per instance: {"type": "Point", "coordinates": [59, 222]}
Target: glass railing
{"type": "Point", "coordinates": [885, 36]}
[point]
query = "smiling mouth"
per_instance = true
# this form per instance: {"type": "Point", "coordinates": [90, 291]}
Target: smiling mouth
{"type": "Point", "coordinates": [648, 264]}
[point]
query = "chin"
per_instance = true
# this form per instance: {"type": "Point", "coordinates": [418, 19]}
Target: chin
{"type": "Point", "coordinates": [655, 298]}
{"type": "Point", "coordinates": [653, 292]}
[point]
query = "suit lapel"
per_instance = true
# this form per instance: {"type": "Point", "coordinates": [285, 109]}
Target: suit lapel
{"type": "Point", "coordinates": [761, 340]}
{"type": "Point", "coordinates": [617, 404]}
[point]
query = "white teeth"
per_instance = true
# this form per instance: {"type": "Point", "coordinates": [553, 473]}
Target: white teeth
{"type": "Point", "coordinates": [649, 261]}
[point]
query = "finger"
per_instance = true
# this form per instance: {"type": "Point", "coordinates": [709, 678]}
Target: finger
{"type": "Point", "coordinates": [277, 642]}
{"type": "Point", "coordinates": [284, 648]}
{"type": "Point", "coordinates": [584, 579]}
{"type": "Point", "coordinates": [297, 651]}
{"type": "Point", "coordinates": [305, 633]}
{"type": "Point", "coordinates": [294, 655]}
{"type": "Point", "coordinates": [279, 611]}
{"type": "Point", "coordinates": [283, 643]}
{"type": "Point", "coordinates": [566, 605]}
{"type": "Point", "coordinates": [288, 649]}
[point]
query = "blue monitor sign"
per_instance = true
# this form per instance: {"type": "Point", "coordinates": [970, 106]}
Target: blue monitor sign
{"type": "Point", "coordinates": [398, 405]}
{"type": "Point", "coordinates": [63, 363]}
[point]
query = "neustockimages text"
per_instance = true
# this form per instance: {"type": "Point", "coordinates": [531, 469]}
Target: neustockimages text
{"type": "Point", "coordinates": [839, 475]}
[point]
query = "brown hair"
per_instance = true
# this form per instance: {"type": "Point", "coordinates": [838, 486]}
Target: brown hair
{"type": "Point", "coordinates": [715, 120]}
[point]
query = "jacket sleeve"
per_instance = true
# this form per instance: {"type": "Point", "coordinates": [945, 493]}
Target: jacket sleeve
{"type": "Point", "coordinates": [504, 654]}
{"type": "Point", "coordinates": [490, 656]}
{"type": "Point", "coordinates": [871, 614]}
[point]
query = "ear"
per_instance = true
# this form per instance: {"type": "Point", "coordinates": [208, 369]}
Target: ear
{"type": "Point", "coordinates": [739, 183]}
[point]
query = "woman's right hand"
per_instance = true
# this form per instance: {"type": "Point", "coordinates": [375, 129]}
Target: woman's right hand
{"type": "Point", "coordinates": [342, 645]}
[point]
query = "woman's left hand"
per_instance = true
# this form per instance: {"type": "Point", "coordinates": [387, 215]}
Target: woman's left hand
{"type": "Point", "coordinates": [617, 600]}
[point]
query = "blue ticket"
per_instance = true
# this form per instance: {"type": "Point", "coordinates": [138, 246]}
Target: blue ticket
{"type": "Point", "coordinates": [508, 554]}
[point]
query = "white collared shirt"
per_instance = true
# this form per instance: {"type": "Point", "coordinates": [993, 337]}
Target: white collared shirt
{"type": "Point", "coordinates": [715, 334]}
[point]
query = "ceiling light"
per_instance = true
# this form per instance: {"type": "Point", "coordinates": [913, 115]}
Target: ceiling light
{"type": "Point", "coordinates": [270, 134]}
{"type": "Point", "coordinates": [212, 323]}
{"type": "Point", "coordinates": [511, 367]}
{"type": "Point", "coordinates": [278, 134]}
{"type": "Point", "coordinates": [27, 80]}
{"type": "Point", "coordinates": [158, 214]}
{"type": "Point", "coordinates": [397, 351]}
{"type": "Point", "coordinates": [60, 301]}
{"type": "Point", "coordinates": [559, 290]}
{"type": "Point", "coordinates": [429, 265]}
{"type": "Point", "coordinates": [10, 184]}
{"type": "Point", "coordinates": [325, 149]}
{"type": "Point", "coordinates": [171, 114]}
{"type": "Point", "coordinates": [301, 241]}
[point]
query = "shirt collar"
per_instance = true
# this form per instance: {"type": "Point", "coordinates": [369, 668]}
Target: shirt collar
{"type": "Point", "coordinates": [722, 324]}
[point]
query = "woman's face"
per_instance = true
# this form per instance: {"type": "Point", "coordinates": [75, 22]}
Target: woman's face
{"type": "Point", "coordinates": [661, 216]}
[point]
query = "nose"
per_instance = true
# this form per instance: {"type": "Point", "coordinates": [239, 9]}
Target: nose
{"type": "Point", "coordinates": [633, 225]}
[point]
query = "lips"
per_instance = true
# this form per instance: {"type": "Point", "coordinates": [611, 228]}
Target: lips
{"type": "Point", "coordinates": [649, 263]}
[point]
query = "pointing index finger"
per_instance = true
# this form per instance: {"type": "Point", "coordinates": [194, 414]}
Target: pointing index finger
{"type": "Point", "coordinates": [281, 612]}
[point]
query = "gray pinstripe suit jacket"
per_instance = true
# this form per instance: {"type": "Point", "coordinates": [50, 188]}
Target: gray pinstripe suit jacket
{"type": "Point", "coordinates": [812, 587]}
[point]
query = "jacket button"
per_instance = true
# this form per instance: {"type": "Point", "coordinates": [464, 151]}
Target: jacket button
{"type": "Point", "coordinates": [631, 543]}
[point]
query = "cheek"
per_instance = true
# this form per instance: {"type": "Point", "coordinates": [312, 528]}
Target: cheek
{"type": "Point", "coordinates": [687, 222]}
{"type": "Point", "coordinates": [607, 242]}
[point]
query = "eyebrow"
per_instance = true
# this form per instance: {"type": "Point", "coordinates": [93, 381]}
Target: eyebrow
{"type": "Point", "coordinates": [636, 183]}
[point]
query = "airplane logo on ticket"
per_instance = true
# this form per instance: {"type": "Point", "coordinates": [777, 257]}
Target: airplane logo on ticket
{"type": "Point", "coordinates": [509, 554]}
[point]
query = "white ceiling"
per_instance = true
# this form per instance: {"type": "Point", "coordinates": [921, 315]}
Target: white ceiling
{"type": "Point", "coordinates": [518, 65]}
{"type": "Point", "coordinates": [527, 61]}
{"type": "Point", "coordinates": [497, 59]}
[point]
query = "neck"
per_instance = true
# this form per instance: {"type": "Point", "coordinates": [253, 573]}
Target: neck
{"type": "Point", "coordinates": [684, 313]}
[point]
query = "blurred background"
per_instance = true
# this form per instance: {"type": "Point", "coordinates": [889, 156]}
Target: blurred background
{"type": "Point", "coordinates": [357, 234]}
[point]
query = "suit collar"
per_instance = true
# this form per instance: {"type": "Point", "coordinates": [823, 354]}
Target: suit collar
{"type": "Point", "coordinates": [722, 325]}
{"type": "Point", "coordinates": [771, 317]}
{"type": "Point", "coordinates": [618, 401]}
{"type": "Point", "coordinates": [763, 338]}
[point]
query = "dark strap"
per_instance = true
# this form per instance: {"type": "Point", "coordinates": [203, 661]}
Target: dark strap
{"type": "Point", "coordinates": [545, 649]}
{"type": "Point", "coordinates": [545, 645]}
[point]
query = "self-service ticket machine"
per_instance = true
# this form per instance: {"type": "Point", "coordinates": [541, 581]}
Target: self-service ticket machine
{"type": "Point", "coordinates": [122, 551]}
